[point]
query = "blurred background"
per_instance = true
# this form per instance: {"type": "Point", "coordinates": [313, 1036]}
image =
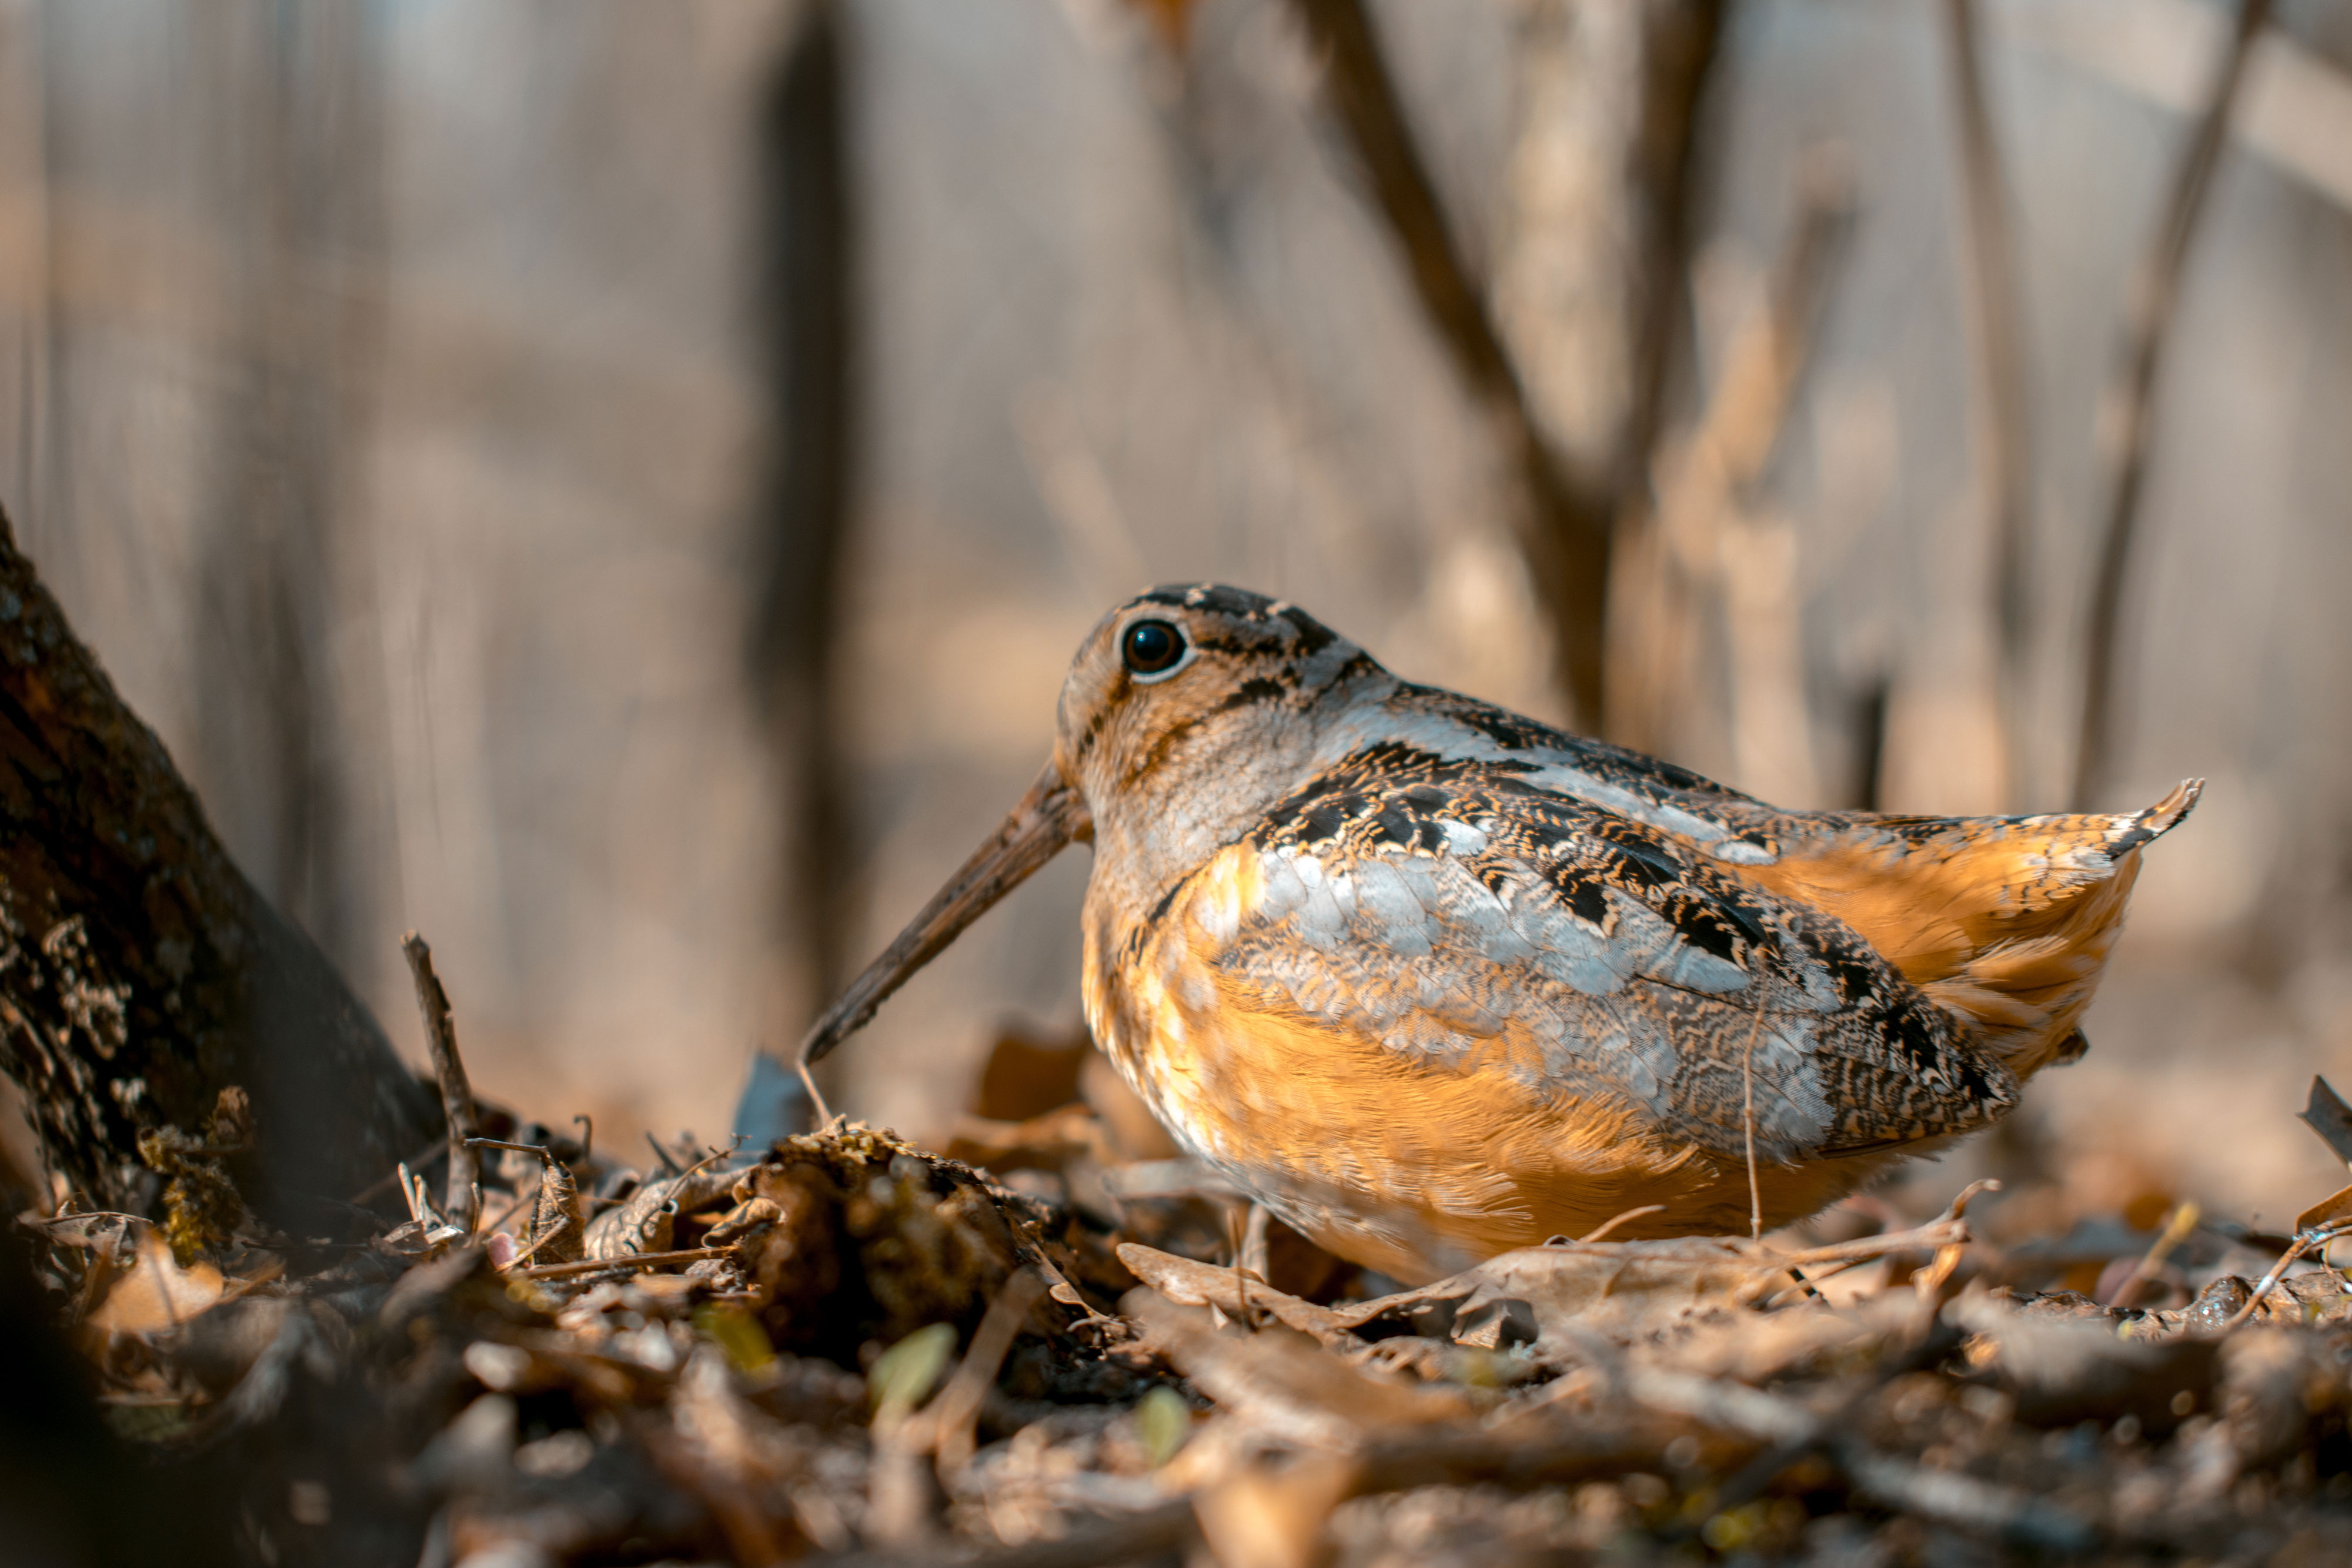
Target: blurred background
{"type": "Point", "coordinates": [615, 486]}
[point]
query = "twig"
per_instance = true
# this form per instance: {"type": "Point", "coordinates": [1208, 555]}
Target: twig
{"type": "Point", "coordinates": [512, 1209]}
{"type": "Point", "coordinates": [1160, 1534]}
{"type": "Point", "coordinates": [546, 1154]}
{"type": "Point", "coordinates": [749, 1530]}
{"type": "Point", "coordinates": [1564, 522]}
{"type": "Point", "coordinates": [2004, 452]}
{"type": "Point", "coordinates": [460, 1193]}
{"type": "Point", "coordinates": [1957, 1498]}
{"type": "Point", "coordinates": [1614, 1220]}
{"type": "Point", "coordinates": [1952, 1498]}
{"type": "Point", "coordinates": [2318, 1235]}
{"type": "Point", "coordinates": [438, 1147]}
{"type": "Point", "coordinates": [953, 1415]}
{"type": "Point", "coordinates": [1751, 1480]}
{"type": "Point", "coordinates": [635, 1260]}
{"type": "Point", "coordinates": [816, 1095]}
{"type": "Point", "coordinates": [1950, 1230]}
{"type": "Point", "coordinates": [2176, 1231]}
{"type": "Point", "coordinates": [2156, 293]}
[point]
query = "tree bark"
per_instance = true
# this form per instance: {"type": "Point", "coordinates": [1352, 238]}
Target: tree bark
{"type": "Point", "coordinates": [141, 974]}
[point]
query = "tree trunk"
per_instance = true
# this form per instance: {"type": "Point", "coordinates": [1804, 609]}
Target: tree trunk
{"type": "Point", "coordinates": [141, 974]}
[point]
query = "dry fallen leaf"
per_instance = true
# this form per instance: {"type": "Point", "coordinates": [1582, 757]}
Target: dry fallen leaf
{"type": "Point", "coordinates": [1276, 1516]}
{"type": "Point", "coordinates": [2337, 1206]}
{"type": "Point", "coordinates": [157, 1295]}
{"type": "Point", "coordinates": [1280, 1382]}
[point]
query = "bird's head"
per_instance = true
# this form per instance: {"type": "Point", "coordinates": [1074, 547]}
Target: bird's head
{"type": "Point", "coordinates": [1182, 698]}
{"type": "Point", "coordinates": [1186, 711]}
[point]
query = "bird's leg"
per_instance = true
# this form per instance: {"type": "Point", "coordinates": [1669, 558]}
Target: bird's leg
{"type": "Point", "coordinates": [1250, 1259]}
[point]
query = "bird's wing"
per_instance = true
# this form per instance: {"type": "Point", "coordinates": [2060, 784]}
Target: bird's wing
{"type": "Point", "coordinates": [1435, 906]}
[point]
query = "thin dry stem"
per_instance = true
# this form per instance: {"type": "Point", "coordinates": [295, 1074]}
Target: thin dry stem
{"type": "Point", "coordinates": [1614, 1220]}
{"type": "Point", "coordinates": [461, 1192]}
{"type": "Point", "coordinates": [635, 1260]}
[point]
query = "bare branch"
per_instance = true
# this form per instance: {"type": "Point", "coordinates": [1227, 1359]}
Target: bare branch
{"type": "Point", "coordinates": [2155, 295]}
{"type": "Point", "coordinates": [2001, 430]}
{"type": "Point", "coordinates": [1565, 518]}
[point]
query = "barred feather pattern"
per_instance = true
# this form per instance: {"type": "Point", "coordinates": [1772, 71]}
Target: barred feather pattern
{"type": "Point", "coordinates": [1431, 979]}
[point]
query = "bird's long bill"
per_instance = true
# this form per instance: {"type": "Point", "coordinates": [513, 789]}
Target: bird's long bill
{"type": "Point", "coordinates": [1048, 817]}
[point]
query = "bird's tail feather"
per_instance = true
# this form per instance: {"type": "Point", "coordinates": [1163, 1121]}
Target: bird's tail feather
{"type": "Point", "coordinates": [2006, 920]}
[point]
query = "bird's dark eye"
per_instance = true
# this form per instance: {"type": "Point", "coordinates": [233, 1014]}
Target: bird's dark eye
{"type": "Point", "coordinates": [1152, 646]}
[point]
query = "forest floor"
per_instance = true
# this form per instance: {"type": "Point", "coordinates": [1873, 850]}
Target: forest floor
{"type": "Point", "coordinates": [1036, 1347]}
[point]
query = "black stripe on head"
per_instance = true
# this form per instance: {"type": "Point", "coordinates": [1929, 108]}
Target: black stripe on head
{"type": "Point", "coordinates": [1287, 626]}
{"type": "Point", "coordinates": [1256, 689]}
{"type": "Point", "coordinates": [1214, 597]}
{"type": "Point", "coordinates": [1313, 635]}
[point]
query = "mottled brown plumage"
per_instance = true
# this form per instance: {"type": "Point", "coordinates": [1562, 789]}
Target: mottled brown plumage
{"type": "Point", "coordinates": [1431, 980]}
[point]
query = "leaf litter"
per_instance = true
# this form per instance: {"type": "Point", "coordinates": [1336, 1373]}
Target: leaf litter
{"type": "Point", "coordinates": [847, 1348]}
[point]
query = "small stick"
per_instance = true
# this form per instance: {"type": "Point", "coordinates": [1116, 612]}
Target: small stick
{"type": "Point", "coordinates": [512, 1210]}
{"type": "Point", "coordinates": [955, 1413]}
{"type": "Point", "coordinates": [2318, 1235]}
{"type": "Point", "coordinates": [1611, 1223]}
{"type": "Point", "coordinates": [408, 1191]}
{"type": "Point", "coordinates": [377, 1187]}
{"type": "Point", "coordinates": [460, 1189]}
{"type": "Point", "coordinates": [735, 1141]}
{"type": "Point", "coordinates": [635, 1260]}
{"type": "Point", "coordinates": [2176, 1231]}
{"type": "Point", "coordinates": [816, 1097]}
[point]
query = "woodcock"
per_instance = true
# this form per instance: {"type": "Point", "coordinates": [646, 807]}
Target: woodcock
{"type": "Point", "coordinates": [1430, 980]}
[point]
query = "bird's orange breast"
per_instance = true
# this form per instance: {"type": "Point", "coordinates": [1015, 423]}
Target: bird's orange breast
{"type": "Point", "coordinates": [1409, 1167]}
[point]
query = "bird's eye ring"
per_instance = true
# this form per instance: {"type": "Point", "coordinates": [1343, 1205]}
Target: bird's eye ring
{"type": "Point", "coordinates": [1151, 647]}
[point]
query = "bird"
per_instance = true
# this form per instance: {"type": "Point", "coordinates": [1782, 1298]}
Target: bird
{"type": "Point", "coordinates": [1431, 981]}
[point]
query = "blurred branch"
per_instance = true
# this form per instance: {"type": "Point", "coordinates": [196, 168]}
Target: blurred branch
{"type": "Point", "coordinates": [2295, 116]}
{"type": "Point", "coordinates": [1702, 540]}
{"type": "Point", "coordinates": [1680, 50]}
{"type": "Point", "coordinates": [1564, 525]}
{"type": "Point", "coordinates": [807, 251]}
{"type": "Point", "coordinates": [2156, 293]}
{"type": "Point", "coordinates": [2003, 446]}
